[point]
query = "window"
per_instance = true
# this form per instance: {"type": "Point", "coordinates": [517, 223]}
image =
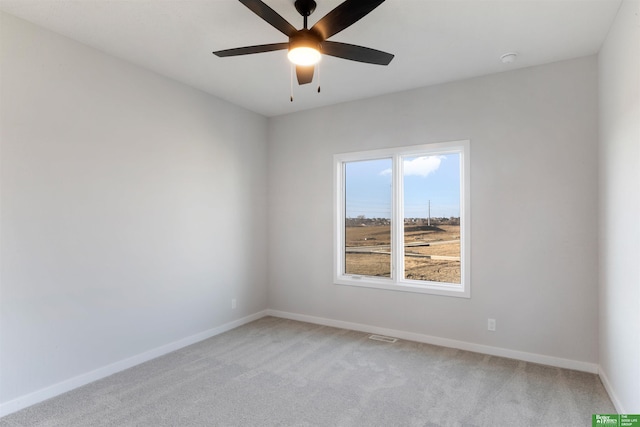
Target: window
{"type": "Point", "coordinates": [402, 219]}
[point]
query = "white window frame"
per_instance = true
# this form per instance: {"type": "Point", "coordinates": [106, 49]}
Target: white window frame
{"type": "Point", "coordinates": [397, 282]}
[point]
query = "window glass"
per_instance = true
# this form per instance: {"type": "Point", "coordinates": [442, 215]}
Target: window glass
{"type": "Point", "coordinates": [367, 223]}
{"type": "Point", "coordinates": [431, 193]}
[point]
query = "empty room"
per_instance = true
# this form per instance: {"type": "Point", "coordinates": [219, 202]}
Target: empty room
{"type": "Point", "coordinates": [319, 213]}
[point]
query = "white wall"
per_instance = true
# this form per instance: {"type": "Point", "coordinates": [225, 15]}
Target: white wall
{"type": "Point", "coordinates": [619, 154]}
{"type": "Point", "coordinates": [133, 210]}
{"type": "Point", "coordinates": [534, 208]}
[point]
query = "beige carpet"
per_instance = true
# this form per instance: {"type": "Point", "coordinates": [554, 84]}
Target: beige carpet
{"type": "Point", "coordinates": [276, 372]}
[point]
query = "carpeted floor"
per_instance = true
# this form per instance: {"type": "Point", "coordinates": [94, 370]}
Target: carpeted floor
{"type": "Point", "coordinates": [276, 372]}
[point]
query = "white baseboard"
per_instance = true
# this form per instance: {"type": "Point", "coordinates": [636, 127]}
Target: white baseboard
{"type": "Point", "coordinates": [444, 342]}
{"type": "Point", "coordinates": [21, 402]}
{"type": "Point", "coordinates": [612, 395]}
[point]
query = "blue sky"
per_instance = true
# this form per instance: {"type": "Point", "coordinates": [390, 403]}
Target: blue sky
{"type": "Point", "coordinates": [435, 178]}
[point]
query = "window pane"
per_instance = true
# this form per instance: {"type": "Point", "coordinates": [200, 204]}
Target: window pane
{"type": "Point", "coordinates": [432, 218]}
{"type": "Point", "coordinates": [368, 218]}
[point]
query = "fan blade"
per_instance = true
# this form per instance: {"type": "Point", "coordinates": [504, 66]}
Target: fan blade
{"type": "Point", "coordinates": [344, 15]}
{"type": "Point", "coordinates": [271, 16]}
{"type": "Point", "coordinates": [356, 53]}
{"type": "Point", "coordinates": [251, 49]}
{"type": "Point", "coordinates": [304, 74]}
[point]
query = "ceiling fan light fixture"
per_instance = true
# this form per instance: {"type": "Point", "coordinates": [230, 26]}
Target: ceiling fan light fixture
{"type": "Point", "coordinates": [304, 55]}
{"type": "Point", "coordinates": [304, 48]}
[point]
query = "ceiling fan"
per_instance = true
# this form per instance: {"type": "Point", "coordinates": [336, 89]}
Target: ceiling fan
{"type": "Point", "coordinates": [308, 44]}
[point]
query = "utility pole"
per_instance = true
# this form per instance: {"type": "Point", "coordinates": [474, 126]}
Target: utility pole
{"type": "Point", "coordinates": [429, 220]}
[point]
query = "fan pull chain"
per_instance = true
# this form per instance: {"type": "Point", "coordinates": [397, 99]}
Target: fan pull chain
{"type": "Point", "coordinates": [318, 77]}
{"type": "Point", "coordinates": [291, 84]}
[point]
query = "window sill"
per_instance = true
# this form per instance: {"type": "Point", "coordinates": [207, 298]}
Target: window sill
{"type": "Point", "coordinates": [433, 288]}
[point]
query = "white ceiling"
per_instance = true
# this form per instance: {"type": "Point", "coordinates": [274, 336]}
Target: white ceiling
{"type": "Point", "coordinates": [434, 41]}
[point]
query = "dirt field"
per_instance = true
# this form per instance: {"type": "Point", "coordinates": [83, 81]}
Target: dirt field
{"type": "Point", "coordinates": [374, 259]}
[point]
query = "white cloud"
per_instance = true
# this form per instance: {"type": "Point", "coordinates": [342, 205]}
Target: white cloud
{"type": "Point", "coordinates": [419, 166]}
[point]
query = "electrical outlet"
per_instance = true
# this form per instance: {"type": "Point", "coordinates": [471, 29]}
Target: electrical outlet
{"type": "Point", "coordinates": [491, 325]}
{"type": "Point", "coordinates": [233, 303]}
